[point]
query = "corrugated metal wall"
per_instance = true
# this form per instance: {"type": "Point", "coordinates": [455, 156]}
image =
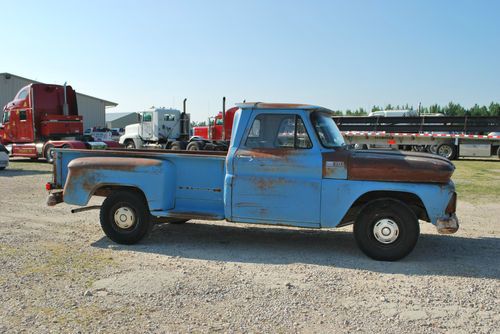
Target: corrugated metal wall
{"type": "Point", "coordinates": [123, 121]}
{"type": "Point", "coordinates": [92, 109]}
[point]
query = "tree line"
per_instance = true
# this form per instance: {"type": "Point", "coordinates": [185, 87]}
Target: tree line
{"type": "Point", "coordinates": [451, 109]}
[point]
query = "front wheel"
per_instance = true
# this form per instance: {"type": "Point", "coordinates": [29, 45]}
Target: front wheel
{"type": "Point", "coordinates": [125, 217]}
{"type": "Point", "coordinates": [129, 144]}
{"type": "Point", "coordinates": [386, 230]}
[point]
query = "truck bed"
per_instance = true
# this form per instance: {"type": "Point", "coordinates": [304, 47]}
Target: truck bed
{"type": "Point", "coordinates": [177, 183]}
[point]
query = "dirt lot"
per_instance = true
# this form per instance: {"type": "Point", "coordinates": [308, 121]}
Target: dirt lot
{"type": "Point", "coordinates": [59, 273]}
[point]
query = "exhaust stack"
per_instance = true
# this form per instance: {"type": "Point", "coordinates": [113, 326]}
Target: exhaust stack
{"type": "Point", "coordinates": [224, 118]}
{"type": "Point", "coordinates": [65, 105]}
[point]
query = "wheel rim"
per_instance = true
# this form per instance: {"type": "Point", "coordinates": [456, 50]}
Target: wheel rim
{"type": "Point", "coordinates": [386, 231]}
{"type": "Point", "coordinates": [445, 151]}
{"type": "Point", "coordinates": [124, 217]}
{"type": "Point", "coordinates": [130, 145]}
{"type": "Point", "coordinates": [50, 154]}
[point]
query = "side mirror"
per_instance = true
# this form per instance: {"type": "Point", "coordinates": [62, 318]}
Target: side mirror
{"type": "Point", "coordinates": [138, 118]}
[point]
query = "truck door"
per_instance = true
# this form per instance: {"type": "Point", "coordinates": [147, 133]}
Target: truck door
{"type": "Point", "coordinates": [24, 125]}
{"type": "Point", "coordinates": [277, 172]}
{"type": "Point", "coordinates": [147, 125]}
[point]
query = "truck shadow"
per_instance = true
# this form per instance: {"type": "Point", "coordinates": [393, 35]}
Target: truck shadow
{"type": "Point", "coordinates": [10, 172]}
{"type": "Point", "coordinates": [433, 255]}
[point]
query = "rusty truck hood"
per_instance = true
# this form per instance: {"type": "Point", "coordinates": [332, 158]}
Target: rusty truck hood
{"type": "Point", "coordinates": [381, 165]}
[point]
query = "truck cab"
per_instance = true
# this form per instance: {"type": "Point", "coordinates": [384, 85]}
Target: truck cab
{"type": "Point", "coordinates": [42, 117]}
{"type": "Point", "coordinates": [156, 128]}
{"type": "Point", "coordinates": [287, 165]}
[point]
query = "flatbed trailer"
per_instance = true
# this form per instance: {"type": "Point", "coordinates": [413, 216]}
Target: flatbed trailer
{"type": "Point", "coordinates": [450, 137]}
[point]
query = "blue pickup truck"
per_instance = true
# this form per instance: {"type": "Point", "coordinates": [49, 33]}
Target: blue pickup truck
{"type": "Point", "coordinates": [287, 165]}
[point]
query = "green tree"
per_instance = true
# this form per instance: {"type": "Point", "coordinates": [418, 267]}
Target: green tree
{"type": "Point", "coordinates": [494, 109]}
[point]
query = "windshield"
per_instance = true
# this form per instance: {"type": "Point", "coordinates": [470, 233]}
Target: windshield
{"type": "Point", "coordinates": [327, 130]}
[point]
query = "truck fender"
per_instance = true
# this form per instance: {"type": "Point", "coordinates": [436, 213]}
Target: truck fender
{"type": "Point", "coordinates": [153, 177]}
{"type": "Point", "coordinates": [342, 199]}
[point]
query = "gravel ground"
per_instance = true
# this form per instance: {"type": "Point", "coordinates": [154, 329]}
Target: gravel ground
{"type": "Point", "coordinates": [59, 273]}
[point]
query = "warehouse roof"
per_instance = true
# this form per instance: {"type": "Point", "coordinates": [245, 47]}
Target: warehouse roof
{"type": "Point", "coordinates": [106, 102]}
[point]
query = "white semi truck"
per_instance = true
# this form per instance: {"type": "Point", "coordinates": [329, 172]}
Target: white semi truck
{"type": "Point", "coordinates": [158, 128]}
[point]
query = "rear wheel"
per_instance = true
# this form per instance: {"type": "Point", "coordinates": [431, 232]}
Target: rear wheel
{"type": "Point", "coordinates": [194, 146]}
{"type": "Point", "coordinates": [448, 151]}
{"type": "Point", "coordinates": [178, 146]}
{"type": "Point", "coordinates": [49, 153]}
{"type": "Point", "coordinates": [386, 230]}
{"type": "Point", "coordinates": [125, 217]}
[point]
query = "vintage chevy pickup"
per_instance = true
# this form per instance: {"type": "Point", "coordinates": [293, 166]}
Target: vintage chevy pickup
{"type": "Point", "coordinates": [287, 165]}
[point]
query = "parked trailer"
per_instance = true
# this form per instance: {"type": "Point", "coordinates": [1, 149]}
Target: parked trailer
{"type": "Point", "coordinates": [451, 137]}
{"type": "Point", "coordinates": [287, 165]}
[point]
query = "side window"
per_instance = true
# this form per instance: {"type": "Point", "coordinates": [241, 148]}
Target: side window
{"type": "Point", "coordinates": [22, 94]}
{"type": "Point", "coordinates": [147, 117]}
{"type": "Point", "coordinates": [278, 131]}
{"type": "Point", "coordinates": [169, 117]}
{"type": "Point", "coordinates": [6, 117]}
{"type": "Point", "coordinates": [22, 115]}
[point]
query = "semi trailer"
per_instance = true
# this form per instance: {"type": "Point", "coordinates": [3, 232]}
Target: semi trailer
{"type": "Point", "coordinates": [450, 137]}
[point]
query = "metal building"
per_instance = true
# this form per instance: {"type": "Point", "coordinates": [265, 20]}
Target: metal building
{"type": "Point", "coordinates": [92, 109]}
{"type": "Point", "coordinates": [120, 119]}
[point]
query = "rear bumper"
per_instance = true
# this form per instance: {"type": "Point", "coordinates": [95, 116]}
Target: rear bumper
{"type": "Point", "coordinates": [447, 224]}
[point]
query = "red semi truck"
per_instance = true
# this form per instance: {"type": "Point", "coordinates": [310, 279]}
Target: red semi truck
{"type": "Point", "coordinates": [43, 117]}
{"type": "Point", "coordinates": [218, 130]}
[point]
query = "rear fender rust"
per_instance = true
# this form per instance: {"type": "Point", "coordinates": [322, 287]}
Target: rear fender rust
{"type": "Point", "coordinates": [113, 163]}
{"type": "Point", "coordinates": [89, 176]}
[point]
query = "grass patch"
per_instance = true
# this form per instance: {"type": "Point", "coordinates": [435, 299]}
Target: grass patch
{"type": "Point", "coordinates": [477, 181]}
{"type": "Point", "coordinates": [61, 261]}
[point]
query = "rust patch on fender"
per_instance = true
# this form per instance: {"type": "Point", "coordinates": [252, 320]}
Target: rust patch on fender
{"type": "Point", "coordinates": [395, 166]}
{"type": "Point", "coordinates": [340, 156]}
{"type": "Point", "coordinates": [114, 163]}
{"type": "Point", "coordinates": [399, 166]}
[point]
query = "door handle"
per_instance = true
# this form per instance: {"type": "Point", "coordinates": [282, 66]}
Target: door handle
{"type": "Point", "coordinates": [249, 157]}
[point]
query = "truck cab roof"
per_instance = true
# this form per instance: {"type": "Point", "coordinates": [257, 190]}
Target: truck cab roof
{"type": "Point", "coordinates": [266, 105]}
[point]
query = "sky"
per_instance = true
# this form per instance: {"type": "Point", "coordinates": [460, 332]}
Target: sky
{"type": "Point", "coordinates": [336, 54]}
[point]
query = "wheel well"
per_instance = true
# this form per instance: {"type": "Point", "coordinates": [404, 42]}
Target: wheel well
{"type": "Point", "coordinates": [106, 190]}
{"type": "Point", "coordinates": [413, 201]}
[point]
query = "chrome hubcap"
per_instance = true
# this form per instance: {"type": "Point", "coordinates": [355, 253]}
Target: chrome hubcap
{"type": "Point", "coordinates": [386, 231]}
{"type": "Point", "coordinates": [124, 217]}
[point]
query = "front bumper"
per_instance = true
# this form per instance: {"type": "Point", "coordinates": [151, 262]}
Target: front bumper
{"type": "Point", "coordinates": [447, 224]}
